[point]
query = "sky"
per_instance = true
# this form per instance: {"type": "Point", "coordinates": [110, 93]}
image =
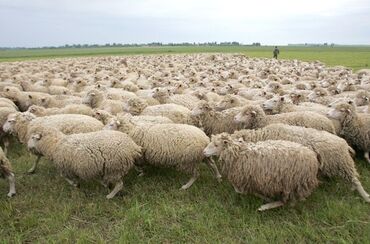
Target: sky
{"type": "Point", "coordinates": [36, 23]}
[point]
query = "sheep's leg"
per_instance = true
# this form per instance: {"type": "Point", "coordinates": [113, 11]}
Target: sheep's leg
{"type": "Point", "coordinates": [366, 155]}
{"type": "Point", "coordinates": [140, 170]}
{"type": "Point", "coordinates": [34, 166]}
{"type": "Point", "coordinates": [211, 163]}
{"type": "Point", "coordinates": [262, 197]}
{"type": "Point", "coordinates": [270, 205]}
{"type": "Point", "coordinates": [6, 145]}
{"type": "Point", "coordinates": [70, 181]}
{"type": "Point", "coordinates": [191, 181]}
{"type": "Point", "coordinates": [11, 180]}
{"type": "Point", "coordinates": [358, 186]}
{"type": "Point", "coordinates": [237, 190]}
{"type": "Point", "coordinates": [116, 189]}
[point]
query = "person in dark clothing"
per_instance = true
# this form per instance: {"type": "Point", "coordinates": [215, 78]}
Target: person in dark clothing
{"type": "Point", "coordinates": [276, 52]}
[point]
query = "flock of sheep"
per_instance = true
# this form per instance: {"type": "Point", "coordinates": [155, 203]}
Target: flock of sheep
{"type": "Point", "coordinates": [272, 127]}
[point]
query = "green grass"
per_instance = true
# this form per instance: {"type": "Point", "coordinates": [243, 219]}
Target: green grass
{"type": "Point", "coordinates": [350, 56]}
{"type": "Point", "coordinates": [153, 209]}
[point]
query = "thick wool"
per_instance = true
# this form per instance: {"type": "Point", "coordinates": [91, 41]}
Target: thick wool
{"type": "Point", "coordinates": [171, 145]}
{"type": "Point", "coordinates": [5, 166]}
{"type": "Point", "coordinates": [95, 99]}
{"type": "Point", "coordinates": [106, 155]}
{"type": "Point", "coordinates": [20, 123]}
{"type": "Point", "coordinates": [253, 117]}
{"type": "Point", "coordinates": [334, 154]}
{"type": "Point", "coordinates": [214, 122]}
{"type": "Point", "coordinates": [274, 169]}
{"type": "Point", "coordinates": [177, 113]}
{"type": "Point", "coordinates": [69, 109]}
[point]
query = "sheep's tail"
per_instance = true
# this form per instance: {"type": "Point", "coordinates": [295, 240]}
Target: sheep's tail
{"type": "Point", "coordinates": [352, 152]}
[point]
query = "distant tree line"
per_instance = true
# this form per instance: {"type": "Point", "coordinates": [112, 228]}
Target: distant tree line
{"type": "Point", "coordinates": [151, 44]}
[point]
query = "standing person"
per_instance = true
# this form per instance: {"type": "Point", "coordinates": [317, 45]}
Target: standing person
{"type": "Point", "coordinates": [276, 52]}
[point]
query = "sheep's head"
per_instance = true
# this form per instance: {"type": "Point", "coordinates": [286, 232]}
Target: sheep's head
{"type": "Point", "coordinates": [42, 134]}
{"type": "Point", "coordinates": [160, 93]}
{"type": "Point", "coordinates": [36, 110]}
{"type": "Point", "coordinates": [316, 93]}
{"type": "Point", "coordinates": [11, 92]}
{"type": "Point", "coordinates": [92, 97]}
{"type": "Point", "coordinates": [342, 111]}
{"type": "Point", "coordinates": [202, 107]}
{"type": "Point", "coordinates": [122, 123]}
{"type": "Point", "coordinates": [226, 90]}
{"type": "Point", "coordinates": [44, 101]}
{"type": "Point", "coordinates": [249, 115]}
{"type": "Point", "coordinates": [296, 98]}
{"type": "Point", "coordinates": [273, 103]}
{"type": "Point", "coordinates": [274, 87]}
{"type": "Point", "coordinates": [362, 98]}
{"type": "Point", "coordinates": [229, 101]}
{"type": "Point", "coordinates": [9, 125]}
{"type": "Point", "coordinates": [217, 145]}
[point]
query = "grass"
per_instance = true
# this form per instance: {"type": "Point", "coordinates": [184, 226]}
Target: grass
{"type": "Point", "coordinates": [350, 56]}
{"type": "Point", "coordinates": [152, 209]}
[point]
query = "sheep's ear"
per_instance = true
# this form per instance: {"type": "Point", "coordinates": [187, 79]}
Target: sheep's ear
{"type": "Point", "coordinates": [36, 136]}
{"type": "Point", "coordinates": [348, 111]}
{"type": "Point", "coordinates": [253, 113]}
{"type": "Point", "coordinates": [92, 94]}
{"type": "Point", "coordinates": [97, 113]}
{"type": "Point", "coordinates": [118, 123]}
{"type": "Point", "coordinates": [282, 99]}
{"type": "Point", "coordinates": [29, 96]}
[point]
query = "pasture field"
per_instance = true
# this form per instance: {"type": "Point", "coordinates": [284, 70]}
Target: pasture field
{"type": "Point", "coordinates": [355, 57]}
{"type": "Point", "coordinates": [152, 209]}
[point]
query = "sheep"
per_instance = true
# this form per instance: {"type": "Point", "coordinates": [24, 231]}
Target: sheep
{"type": "Point", "coordinates": [253, 117]}
{"type": "Point", "coordinates": [171, 145]}
{"type": "Point", "coordinates": [6, 172]}
{"type": "Point", "coordinates": [22, 99]}
{"type": "Point", "coordinates": [105, 155]}
{"type": "Point", "coordinates": [214, 122]}
{"type": "Point", "coordinates": [95, 99]}
{"type": "Point", "coordinates": [334, 154]}
{"type": "Point", "coordinates": [19, 125]}
{"type": "Point", "coordinates": [186, 100]}
{"type": "Point", "coordinates": [69, 109]}
{"type": "Point", "coordinates": [230, 101]}
{"type": "Point", "coordinates": [135, 105]}
{"type": "Point", "coordinates": [270, 169]}
{"type": "Point", "coordinates": [355, 127]}
{"type": "Point", "coordinates": [362, 98]}
{"type": "Point", "coordinates": [58, 101]}
{"type": "Point", "coordinates": [177, 113]}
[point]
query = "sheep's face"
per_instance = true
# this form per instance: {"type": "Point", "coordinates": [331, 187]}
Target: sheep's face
{"type": "Point", "coordinates": [296, 98]}
{"type": "Point", "coordinates": [35, 110]}
{"type": "Point", "coordinates": [226, 90]}
{"type": "Point", "coordinates": [342, 111]}
{"type": "Point", "coordinates": [32, 142]}
{"type": "Point", "coordinates": [246, 116]}
{"type": "Point", "coordinates": [160, 93]}
{"type": "Point", "coordinates": [226, 103]}
{"type": "Point", "coordinates": [90, 98]}
{"type": "Point", "coordinates": [217, 145]}
{"type": "Point", "coordinates": [9, 125]}
{"type": "Point", "coordinates": [113, 124]}
{"type": "Point", "coordinates": [362, 99]}
{"type": "Point", "coordinates": [272, 103]}
{"type": "Point", "coordinates": [202, 108]}
{"type": "Point", "coordinates": [11, 92]}
{"type": "Point", "coordinates": [43, 101]}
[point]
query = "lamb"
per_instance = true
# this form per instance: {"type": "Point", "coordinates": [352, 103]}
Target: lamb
{"type": "Point", "coordinates": [214, 122]}
{"type": "Point", "coordinates": [177, 113]}
{"type": "Point", "coordinates": [105, 155]}
{"type": "Point", "coordinates": [334, 154]}
{"type": "Point", "coordinates": [6, 172]}
{"type": "Point", "coordinates": [95, 99]}
{"type": "Point", "coordinates": [253, 117]}
{"type": "Point", "coordinates": [355, 126]}
{"type": "Point", "coordinates": [69, 109]}
{"type": "Point", "coordinates": [270, 169]}
{"type": "Point", "coordinates": [171, 145]}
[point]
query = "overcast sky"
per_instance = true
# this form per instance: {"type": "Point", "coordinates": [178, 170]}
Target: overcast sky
{"type": "Point", "coordinates": [34, 23]}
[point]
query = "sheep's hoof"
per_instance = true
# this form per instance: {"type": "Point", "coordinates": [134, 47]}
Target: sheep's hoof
{"type": "Point", "coordinates": [141, 174]}
{"type": "Point", "coordinates": [109, 196]}
{"type": "Point", "coordinates": [11, 194]}
{"type": "Point", "coordinates": [31, 171]}
{"type": "Point", "coordinates": [184, 187]}
{"type": "Point", "coordinates": [219, 179]}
